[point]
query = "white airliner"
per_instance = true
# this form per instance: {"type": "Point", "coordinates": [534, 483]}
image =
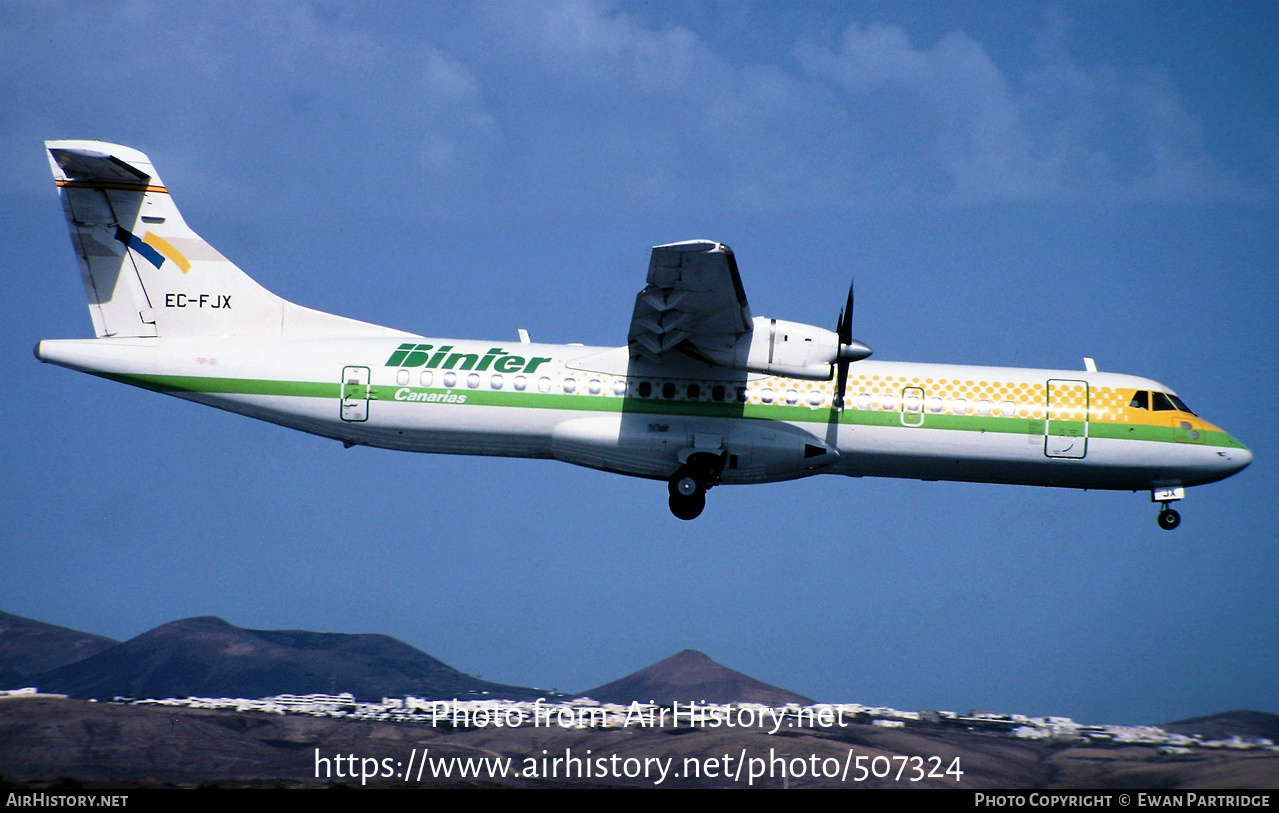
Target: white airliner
{"type": "Point", "coordinates": [703, 393]}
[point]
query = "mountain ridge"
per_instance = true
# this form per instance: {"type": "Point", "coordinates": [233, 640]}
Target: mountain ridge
{"type": "Point", "coordinates": [207, 656]}
{"type": "Point", "coordinates": [691, 676]}
{"type": "Point", "coordinates": [29, 647]}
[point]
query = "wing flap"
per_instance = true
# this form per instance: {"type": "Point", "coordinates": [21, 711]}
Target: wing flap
{"type": "Point", "coordinates": [693, 303]}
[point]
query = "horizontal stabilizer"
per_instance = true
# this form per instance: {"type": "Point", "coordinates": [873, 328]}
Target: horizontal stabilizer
{"type": "Point", "coordinates": [85, 165]}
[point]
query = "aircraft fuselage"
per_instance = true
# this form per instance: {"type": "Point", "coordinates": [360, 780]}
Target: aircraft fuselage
{"type": "Point", "coordinates": [581, 405]}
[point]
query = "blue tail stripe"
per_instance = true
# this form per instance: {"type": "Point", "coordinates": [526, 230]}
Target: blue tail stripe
{"type": "Point", "coordinates": [134, 242]}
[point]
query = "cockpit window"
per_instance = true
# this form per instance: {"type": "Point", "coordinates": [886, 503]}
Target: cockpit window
{"type": "Point", "coordinates": [1162, 404]}
{"type": "Point", "coordinates": [1140, 400]}
{"type": "Point", "coordinates": [1180, 404]}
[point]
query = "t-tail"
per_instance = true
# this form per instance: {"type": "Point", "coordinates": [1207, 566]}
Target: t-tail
{"type": "Point", "coordinates": [147, 274]}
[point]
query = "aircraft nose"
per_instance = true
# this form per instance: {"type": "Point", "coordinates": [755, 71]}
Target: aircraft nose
{"type": "Point", "coordinates": [1234, 459]}
{"type": "Point", "coordinates": [1241, 457]}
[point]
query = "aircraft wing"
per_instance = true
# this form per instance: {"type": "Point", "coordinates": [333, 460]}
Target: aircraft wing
{"type": "Point", "coordinates": [693, 304]}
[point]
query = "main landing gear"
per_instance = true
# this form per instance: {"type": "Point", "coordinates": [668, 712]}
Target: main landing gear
{"type": "Point", "coordinates": [688, 497]}
{"type": "Point", "coordinates": [690, 482]}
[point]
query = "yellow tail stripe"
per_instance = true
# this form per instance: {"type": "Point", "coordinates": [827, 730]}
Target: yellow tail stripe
{"type": "Point", "coordinates": [166, 248]}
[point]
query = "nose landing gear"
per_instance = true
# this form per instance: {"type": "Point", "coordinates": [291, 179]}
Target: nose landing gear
{"type": "Point", "coordinates": [1168, 518]}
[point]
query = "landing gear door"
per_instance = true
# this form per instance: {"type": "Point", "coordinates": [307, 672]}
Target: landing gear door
{"type": "Point", "coordinates": [355, 394]}
{"type": "Point", "coordinates": [1066, 419]}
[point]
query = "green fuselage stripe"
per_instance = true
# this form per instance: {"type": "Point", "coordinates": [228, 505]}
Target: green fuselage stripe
{"type": "Point", "coordinates": [178, 385]}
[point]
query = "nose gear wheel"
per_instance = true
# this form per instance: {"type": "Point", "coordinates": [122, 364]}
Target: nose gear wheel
{"type": "Point", "coordinates": [1169, 519]}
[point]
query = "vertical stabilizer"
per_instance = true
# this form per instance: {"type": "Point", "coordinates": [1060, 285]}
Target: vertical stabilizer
{"type": "Point", "coordinates": [146, 273]}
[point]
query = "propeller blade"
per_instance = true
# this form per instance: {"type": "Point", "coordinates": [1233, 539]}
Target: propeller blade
{"type": "Point", "coordinates": [850, 350]}
{"type": "Point", "coordinates": [845, 329]}
{"type": "Point", "coordinates": [841, 384]}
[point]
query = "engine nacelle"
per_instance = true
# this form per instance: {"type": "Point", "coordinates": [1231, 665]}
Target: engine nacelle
{"type": "Point", "coordinates": [792, 349]}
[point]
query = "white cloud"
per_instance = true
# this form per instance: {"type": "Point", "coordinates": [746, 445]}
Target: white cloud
{"type": "Point", "coordinates": [1059, 131]}
{"type": "Point", "coordinates": [634, 108]}
{"type": "Point", "coordinates": [459, 128]}
{"type": "Point", "coordinates": [871, 119]}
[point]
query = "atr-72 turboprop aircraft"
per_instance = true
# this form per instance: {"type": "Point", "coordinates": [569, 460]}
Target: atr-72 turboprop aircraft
{"type": "Point", "coordinates": [703, 394]}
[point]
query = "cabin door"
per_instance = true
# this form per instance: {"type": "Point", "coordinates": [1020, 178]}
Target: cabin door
{"type": "Point", "coordinates": [355, 394]}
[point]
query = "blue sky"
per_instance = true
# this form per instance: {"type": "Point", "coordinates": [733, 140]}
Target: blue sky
{"type": "Point", "coordinates": [1012, 184]}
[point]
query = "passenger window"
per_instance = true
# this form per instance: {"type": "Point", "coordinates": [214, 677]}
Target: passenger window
{"type": "Point", "coordinates": [1161, 402]}
{"type": "Point", "coordinates": [570, 386]}
{"type": "Point", "coordinates": [742, 396]}
{"type": "Point", "coordinates": [645, 389]}
{"type": "Point", "coordinates": [1140, 400]}
{"type": "Point", "coordinates": [520, 382]}
{"type": "Point", "coordinates": [619, 387]}
{"type": "Point", "coordinates": [717, 392]}
{"type": "Point", "coordinates": [668, 390]}
{"type": "Point", "coordinates": [544, 384]}
{"type": "Point", "coordinates": [594, 386]}
{"type": "Point", "coordinates": [694, 392]}
{"type": "Point", "coordinates": [495, 381]}
{"type": "Point", "coordinates": [473, 380]}
{"type": "Point", "coordinates": [401, 377]}
{"type": "Point", "coordinates": [426, 378]}
{"type": "Point", "coordinates": [450, 379]}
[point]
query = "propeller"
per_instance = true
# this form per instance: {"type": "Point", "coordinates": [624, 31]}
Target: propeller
{"type": "Point", "coordinates": [850, 349]}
